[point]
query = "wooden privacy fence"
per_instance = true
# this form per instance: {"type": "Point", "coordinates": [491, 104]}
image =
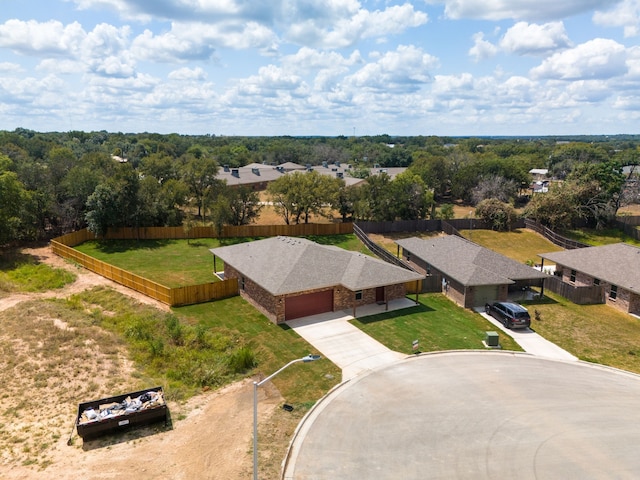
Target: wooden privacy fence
{"type": "Point", "coordinates": [128, 279]}
{"type": "Point", "coordinates": [554, 237]}
{"type": "Point", "coordinates": [173, 297]}
{"type": "Point", "coordinates": [188, 295]}
{"type": "Point", "coordinates": [228, 231]}
{"type": "Point", "coordinates": [587, 295]}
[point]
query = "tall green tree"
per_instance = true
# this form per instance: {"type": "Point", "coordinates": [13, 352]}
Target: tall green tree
{"type": "Point", "coordinates": [412, 199]}
{"type": "Point", "coordinates": [299, 195]}
{"type": "Point", "coordinates": [199, 174]}
{"type": "Point", "coordinates": [14, 203]}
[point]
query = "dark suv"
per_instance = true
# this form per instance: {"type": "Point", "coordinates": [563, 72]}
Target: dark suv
{"type": "Point", "coordinates": [511, 315]}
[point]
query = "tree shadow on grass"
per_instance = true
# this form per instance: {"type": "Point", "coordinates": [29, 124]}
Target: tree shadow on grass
{"type": "Point", "coordinates": [119, 246]}
{"type": "Point", "coordinates": [12, 259]}
{"type": "Point", "coordinates": [396, 314]}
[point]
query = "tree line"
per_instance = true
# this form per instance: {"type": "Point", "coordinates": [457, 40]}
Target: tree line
{"type": "Point", "coordinates": [56, 182]}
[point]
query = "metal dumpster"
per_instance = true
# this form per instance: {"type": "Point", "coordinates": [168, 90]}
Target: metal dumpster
{"type": "Point", "coordinates": [112, 414]}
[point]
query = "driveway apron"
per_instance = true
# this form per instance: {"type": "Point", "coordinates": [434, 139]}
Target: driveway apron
{"type": "Point", "coordinates": [531, 342]}
{"type": "Point", "coordinates": [345, 345]}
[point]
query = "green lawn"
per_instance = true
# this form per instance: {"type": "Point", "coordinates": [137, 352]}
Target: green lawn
{"type": "Point", "coordinates": [595, 333]}
{"type": "Point", "coordinates": [22, 273]}
{"type": "Point", "coordinates": [177, 263]}
{"type": "Point", "coordinates": [521, 245]}
{"type": "Point", "coordinates": [600, 237]}
{"type": "Point", "coordinates": [437, 323]}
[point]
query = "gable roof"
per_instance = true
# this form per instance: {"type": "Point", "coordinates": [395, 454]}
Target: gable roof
{"type": "Point", "coordinates": [617, 263]}
{"type": "Point", "coordinates": [284, 265]}
{"type": "Point", "coordinates": [467, 262]}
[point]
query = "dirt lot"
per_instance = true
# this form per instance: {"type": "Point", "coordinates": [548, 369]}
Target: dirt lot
{"type": "Point", "coordinates": [209, 437]}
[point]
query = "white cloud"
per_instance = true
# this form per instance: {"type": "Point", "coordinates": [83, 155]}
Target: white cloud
{"type": "Point", "coordinates": [188, 74]}
{"type": "Point", "coordinates": [519, 9]}
{"type": "Point", "coordinates": [533, 39]}
{"type": "Point", "coordinates": [482, 49]}
{"type": "Point", "coordinates": [597, 58]}
{"type": "Point", "coordinates": [404, 70]}
{"type": "Point", "coordinates": [345, 30]}
{"type": "Point", "coordinates": [43, 39]}
{"type": "Point", "coordinates": [9, 67]}
{"type": "Point", "coordinates": [625, 14]}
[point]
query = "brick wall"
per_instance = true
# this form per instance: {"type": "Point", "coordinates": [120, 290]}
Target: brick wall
{"type": "Point", "coordinates": [256, 295]}
{"type": "Point", "coordinates": [625, 300]}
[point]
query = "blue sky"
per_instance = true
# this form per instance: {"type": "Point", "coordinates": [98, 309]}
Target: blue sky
{"type": "Point", "coordinates": [330, 67]}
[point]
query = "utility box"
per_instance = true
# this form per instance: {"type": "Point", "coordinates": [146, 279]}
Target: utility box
{"type": "Point", "coordinates": [492, 339]}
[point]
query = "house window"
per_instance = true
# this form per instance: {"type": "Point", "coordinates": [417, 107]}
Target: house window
{"type": "Point", "coordinates": [241, 283]}
{"type": "Point", "coordinates": [359, 295]}
{"type": "Point", "coordinates": [596, 281]}
{"type": "Point", "coordinates": [572, 278]}
{"type": "Point", "coordinates": [408, 256]}
{"type": "Point", "coordinates": [613, 293]}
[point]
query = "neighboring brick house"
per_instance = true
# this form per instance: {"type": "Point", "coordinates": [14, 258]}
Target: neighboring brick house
{"type": "Point", "coordinates": [471, 275]}
{"type": "Point", "coordinates": [287, 278]}
{"type": "Point", "coordinates": [615, 267]}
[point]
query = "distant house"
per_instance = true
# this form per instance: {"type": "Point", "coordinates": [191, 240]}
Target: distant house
{"type": "Point", "coordinates": [471, 275]}
{"type": "Point", "coordinates": [615, 267]}
{"type": "Point", "coordinates": [257, 176]}
{"type": "Point", "coordinates": [539, 174]}
{"type": "Point", "coordinates": [287, 278]}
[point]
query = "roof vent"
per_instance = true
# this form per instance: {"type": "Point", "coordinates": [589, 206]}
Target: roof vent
{"type": "Point", "coordinates": [235, 172]}
{"type": "Point", "coordinates": [256, 171]}
{"type": "Point", "coordinates": [226, 168]}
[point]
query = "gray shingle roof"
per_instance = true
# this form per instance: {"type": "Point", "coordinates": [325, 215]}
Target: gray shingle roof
{"type": "Point", "coordinates": [618, 263]}
{"type": "Point", "coordinates": [468, 263]}
{"type": "Point", "coordinates": [284, 265]}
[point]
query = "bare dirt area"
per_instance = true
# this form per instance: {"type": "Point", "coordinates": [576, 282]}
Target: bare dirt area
{"type": "Point", "coordinates": [48, 366]}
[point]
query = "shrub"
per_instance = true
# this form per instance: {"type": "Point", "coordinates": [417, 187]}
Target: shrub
{"type": "Point", "coordinates": [241, 360]}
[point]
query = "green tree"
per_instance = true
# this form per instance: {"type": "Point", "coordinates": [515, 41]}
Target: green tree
{"type": "Point", "coordinates": [556, 209]}
{"type": "Point", "coordinates": [375, 199]}
{"type": "Point", "coordinates": [434, 172]}
{"type": "Point", "coordinates": [299, 195]}
{"type": "Point", "coordinates": [14, 199]}
{"type": "Point", "coordinates": [499, 215]}
{"type": "Point", "coordinates": [236, 206]}
{"type": "Point", "coordinates": [199, 174]}
{"type": "Point", "coordinates": [411, 198]}
{"type": "Point", "coordinates": [446, 211]}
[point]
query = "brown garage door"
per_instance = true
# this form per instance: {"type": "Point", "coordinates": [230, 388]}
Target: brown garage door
{"type": "Point", "coordinates": [308, 304]}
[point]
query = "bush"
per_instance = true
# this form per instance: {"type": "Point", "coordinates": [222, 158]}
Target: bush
{"type": "Point", "coordinates": [241, 360]}
{"type": "Point", "coordinates": [497, 214]}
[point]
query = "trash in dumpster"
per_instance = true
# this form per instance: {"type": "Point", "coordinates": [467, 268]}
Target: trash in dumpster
{"type": "Point", "coordinates": [107, 415]}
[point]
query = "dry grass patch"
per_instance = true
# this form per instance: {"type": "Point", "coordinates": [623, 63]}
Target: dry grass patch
{"type": "Point", "coordinates": [594, 333]}
{"type": "Point", "coordinates": [51, 360]}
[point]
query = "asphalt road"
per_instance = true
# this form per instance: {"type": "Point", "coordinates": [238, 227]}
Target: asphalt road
{"type": "Point", "coordinates": [474, 415]}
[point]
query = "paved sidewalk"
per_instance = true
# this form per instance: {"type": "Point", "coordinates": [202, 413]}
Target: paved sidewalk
{"type": "Point", "coordinates": [355, 352]}
{"type": "Point", "coordinates": [345, 345]}
{"type": "Point", "coordinates": [531, 342]}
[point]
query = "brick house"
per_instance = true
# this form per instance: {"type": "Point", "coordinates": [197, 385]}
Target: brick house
{"type": "Point", "coordinates": [615, 267]}
{"type": "Point", "coordinates": [471, 275]}
{"type": "Point", "coordinates": [287, 278]}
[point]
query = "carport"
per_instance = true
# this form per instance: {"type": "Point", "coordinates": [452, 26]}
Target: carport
{"type": "Point", "coordinates": [472, 275]}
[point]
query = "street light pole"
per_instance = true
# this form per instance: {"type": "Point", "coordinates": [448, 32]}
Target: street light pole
{"type": "Point", "coordinates": [308, 358]}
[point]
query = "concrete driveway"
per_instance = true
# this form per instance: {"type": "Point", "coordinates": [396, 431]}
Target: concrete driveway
{"type": "Point", "coordinates": [531, 342]}
{"type": "Point", "coordinates": [474, 415]}
{"type": "Point", "coordinates": [345, 345]}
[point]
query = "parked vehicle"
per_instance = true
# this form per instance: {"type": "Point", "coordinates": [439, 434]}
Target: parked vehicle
{"type": "Point", "coordinates": [511, 315]}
